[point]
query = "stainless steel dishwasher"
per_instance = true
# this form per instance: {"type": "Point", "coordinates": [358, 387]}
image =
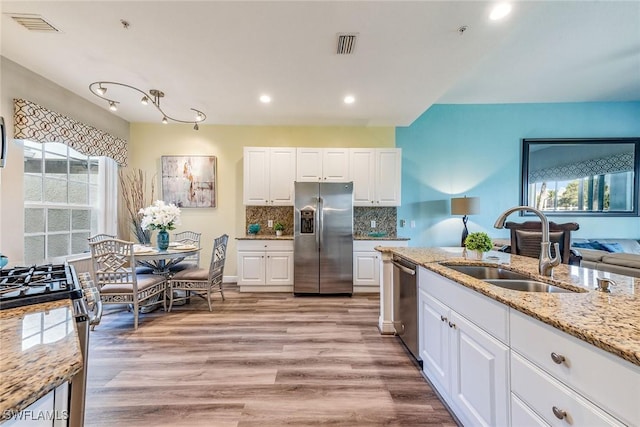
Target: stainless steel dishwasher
{"type": "Point", "coordinates": [405, 307]}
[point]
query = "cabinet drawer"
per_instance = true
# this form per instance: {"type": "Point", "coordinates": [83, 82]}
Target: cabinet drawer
{"type": "Point", "coordinates": [522, 415]}
{"type": "Point", "coordinates": [601, 377]}
{"type": "Point", "coordinates": [490, 315]}
{"type": "Point", "coordinates": [557, 404]}
{"type": "Point", "coordinates": [265, 245]}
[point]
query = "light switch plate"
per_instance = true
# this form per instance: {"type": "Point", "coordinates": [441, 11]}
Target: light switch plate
{"type": "Point", "coordinates": [413, 224]}
{"type": "Point", "coordinates": [270, 223]}
{"type": "Point", "coordinates": [373, 224]}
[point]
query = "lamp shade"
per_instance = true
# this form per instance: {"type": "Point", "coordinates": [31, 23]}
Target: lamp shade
{"type": "Point", "coordinates": [465, 205]}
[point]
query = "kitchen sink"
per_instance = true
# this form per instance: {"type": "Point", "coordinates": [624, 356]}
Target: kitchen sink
{"type": "Point", "coordinates": [526, 285]}
{"type": "Point", "coordinates": [485, 273]}
{"type": "Point", "coordinates": [506, 279]}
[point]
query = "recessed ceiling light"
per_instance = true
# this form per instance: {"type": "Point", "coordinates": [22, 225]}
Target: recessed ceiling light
{"type": "Point", "coordinates": [349, 99]}
{"type": "Point", "coordinates": [500, 11]}
{"type": "Point", "coordinates": [265, 99]}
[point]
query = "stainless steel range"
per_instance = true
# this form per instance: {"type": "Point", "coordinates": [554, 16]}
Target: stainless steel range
{"type": "Point", "coordinates": [20, 286]}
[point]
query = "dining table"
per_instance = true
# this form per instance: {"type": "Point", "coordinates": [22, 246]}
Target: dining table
{"type": "Point", "coordinates": [161, 261]}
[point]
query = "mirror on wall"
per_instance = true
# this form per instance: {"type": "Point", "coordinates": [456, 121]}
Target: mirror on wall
{"type": "Point", "coordinates": [581, 176]}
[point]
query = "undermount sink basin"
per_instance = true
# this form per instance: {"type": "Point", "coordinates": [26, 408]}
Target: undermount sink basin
{"type": "Point", "coordinates": [485, 273]}
{"type": "Point", "coordinates": [526, 285]}
{"type": "Point", "coordinates": [506, 279]}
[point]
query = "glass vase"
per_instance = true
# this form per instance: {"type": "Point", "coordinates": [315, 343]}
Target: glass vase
{"type": "Point", "coordinates": [163, 240]}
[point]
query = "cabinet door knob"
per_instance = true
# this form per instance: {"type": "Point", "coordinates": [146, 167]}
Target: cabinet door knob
{"type": "Point", "coordinates": [557, 358]}
{"type": "Point", "coordinates": [559, 413]}
{"type": "Point", "coordinates": [452, 325]}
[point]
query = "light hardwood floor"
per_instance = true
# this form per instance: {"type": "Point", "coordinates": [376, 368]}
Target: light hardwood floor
{"type": "Point", "coordinates": [256, 360]}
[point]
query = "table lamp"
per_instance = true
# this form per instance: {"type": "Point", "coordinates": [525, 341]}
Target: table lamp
{"type": "Point", "coordinates": [465, 206]}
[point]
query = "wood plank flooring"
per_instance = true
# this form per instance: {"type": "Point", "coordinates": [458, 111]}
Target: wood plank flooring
{"type": "Point", "coordinates": [256, 360]}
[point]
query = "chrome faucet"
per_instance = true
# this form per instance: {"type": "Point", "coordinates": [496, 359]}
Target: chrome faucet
{"type": "Point", "coordinates": [546, 262]}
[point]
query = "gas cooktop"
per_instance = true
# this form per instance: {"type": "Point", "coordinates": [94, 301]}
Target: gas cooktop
{"type": "Point", "coordinates": [36, 284]}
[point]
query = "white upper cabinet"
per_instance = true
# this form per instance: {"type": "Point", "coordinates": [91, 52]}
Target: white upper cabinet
{"type": "Point", "coordinates": [269, 174]}
{"type": "Point", "coordinates": [377, 175]}
{"type": "Point", "coordinates": [322, 164]}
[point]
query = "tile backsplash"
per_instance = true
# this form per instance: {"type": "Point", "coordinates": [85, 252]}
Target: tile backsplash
{"type": "Point", "coordinates": [386, 219]}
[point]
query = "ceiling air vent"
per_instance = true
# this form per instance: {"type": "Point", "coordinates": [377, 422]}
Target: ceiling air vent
{"type": "Point", "coordinates": [34, 23]}
{"type": "Point", "coordinates": [346, 43]}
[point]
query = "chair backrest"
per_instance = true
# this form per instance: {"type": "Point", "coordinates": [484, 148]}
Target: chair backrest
{"type": "Point", "coordinates": [189, 238]}
{"type": "Point", "coordinates": [100, 237]}
{"type": "Point", "coordinates": [112, 259]}
{"type": "Point", "coordinates": [218, 256]}
{"type": "Point", "coordinates": [526, 238]}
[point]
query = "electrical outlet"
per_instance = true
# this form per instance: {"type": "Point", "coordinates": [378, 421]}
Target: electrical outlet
{"type": "Point", "coordinates": [402, 223]}
{"type": "Point", "coordinates": [270, 223]}
{"type": "Point", "coordinates": [413, 224]}
{"type": "Point", "coordinates": [373, 224]}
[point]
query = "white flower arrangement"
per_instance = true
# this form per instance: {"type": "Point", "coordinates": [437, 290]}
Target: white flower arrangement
{"type": "Point", "coordinates": [160, 216]}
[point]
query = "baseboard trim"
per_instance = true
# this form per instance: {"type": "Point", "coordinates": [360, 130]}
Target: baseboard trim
{"type": "Point", "coordinates": [386, 327]}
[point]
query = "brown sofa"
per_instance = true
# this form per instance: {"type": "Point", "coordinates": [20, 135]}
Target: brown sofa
{"type": "Point", "coordinates": [621, 256]}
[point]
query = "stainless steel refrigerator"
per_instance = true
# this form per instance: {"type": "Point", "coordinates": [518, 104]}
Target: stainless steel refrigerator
{"type": "Point", "coordinates": [323, 238]}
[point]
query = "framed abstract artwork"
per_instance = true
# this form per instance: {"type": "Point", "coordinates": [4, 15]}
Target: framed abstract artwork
{"type": "Point", "coordinates": [189, 181]}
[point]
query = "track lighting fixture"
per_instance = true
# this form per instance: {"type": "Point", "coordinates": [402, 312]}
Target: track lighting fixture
{"type": "Point", "coordinates": [99, 89]}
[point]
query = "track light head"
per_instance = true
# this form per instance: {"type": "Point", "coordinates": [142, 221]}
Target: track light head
{"type": "Point", "coordinates": [144, 100]}
{"type": "Point", "coordinates": [164, 121]}
{"type": "Point", "coordinates": [113, 106]}
{"type": "Point", "coordinates": [195, 126]}
{"type": "Point", "coordinates": [101, 90]}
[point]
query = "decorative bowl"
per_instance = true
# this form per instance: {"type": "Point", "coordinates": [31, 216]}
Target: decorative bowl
{"type": "Point", "coordinates": [254, 228]}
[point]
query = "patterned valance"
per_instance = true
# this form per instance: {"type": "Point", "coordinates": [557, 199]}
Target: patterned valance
{"type": "Point", "coordinates": [621, 162]}
{"type": "Point", "coordinates": [36, 123]}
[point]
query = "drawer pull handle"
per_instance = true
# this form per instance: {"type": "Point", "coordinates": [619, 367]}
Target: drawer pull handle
{"type": "Point", "coordinates": [452, 325]}
{"type": "Point", "coordinates": [557, 358]}
{"type": "Point", "coordinates": [444, 319]}
{"type": "Point", "coordinates": [559, 413]}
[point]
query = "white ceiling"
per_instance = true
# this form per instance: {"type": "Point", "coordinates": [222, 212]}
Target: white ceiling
{"type": "Point", "coordinates": [219, 57]}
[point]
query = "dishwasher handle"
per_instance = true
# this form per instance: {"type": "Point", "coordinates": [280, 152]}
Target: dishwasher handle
{"type": "Point", "coordinates": [404, 269]}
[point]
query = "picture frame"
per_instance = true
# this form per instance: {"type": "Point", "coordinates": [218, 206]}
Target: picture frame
{"type": "Point", "coordinates": [189, 181]}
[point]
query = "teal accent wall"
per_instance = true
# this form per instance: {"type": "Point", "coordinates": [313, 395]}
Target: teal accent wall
{"type": "Point", "coordinates": [474, 150]}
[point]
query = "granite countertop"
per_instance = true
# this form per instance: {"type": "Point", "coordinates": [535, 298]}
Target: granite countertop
{"type": "Point", "coordinates": [39, 350]}
{"type": "Point", "coordinates": [265, 237]}
{"type": "Point", "coordinates": [610, 321]}
{"type": "Point", "coordinates": [290, 237]}
{"type": "Point", "coordinates": [367, 237]}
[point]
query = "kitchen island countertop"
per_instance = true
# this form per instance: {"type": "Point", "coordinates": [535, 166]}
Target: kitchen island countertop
{"type": "Point", "coordinates": [609, 321]}
{"type": "Point", "coordinates": [39, 350]}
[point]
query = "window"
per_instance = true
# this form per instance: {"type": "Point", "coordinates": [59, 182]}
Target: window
{"type": "Point", "coordinates": [61, 201]}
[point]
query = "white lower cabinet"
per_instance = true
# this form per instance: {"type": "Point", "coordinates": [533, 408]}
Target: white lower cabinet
{"type": "Point", "coordinates": [496, 366]}
{"type": "Point", "coordinates": [551, 400]}
{"type": "Point", "coordinates": [367, 263]}
{"type": "Point", "coordinates": [51, 410]}
{"type": "Point", "coordinates": [265, 266]}
{"type": "Point", "coordinates": [468, 366]}
{"type": "Point", "coordinates": [587, 386]}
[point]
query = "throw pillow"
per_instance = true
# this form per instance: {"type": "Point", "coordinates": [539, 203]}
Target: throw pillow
{"type": "Point", "coordinates": [611, 247]}
{"type": "Point", "coordinates": [589, 245]}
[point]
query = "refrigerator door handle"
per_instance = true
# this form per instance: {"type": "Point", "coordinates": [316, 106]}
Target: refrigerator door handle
{"type": "Point", "coordinates": [320, 222]}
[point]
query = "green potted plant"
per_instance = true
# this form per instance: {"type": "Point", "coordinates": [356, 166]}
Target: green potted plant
{"type": "Point", "coordinates": [480, 242]}
{"type": "Point", "coordinates": [279, 227]}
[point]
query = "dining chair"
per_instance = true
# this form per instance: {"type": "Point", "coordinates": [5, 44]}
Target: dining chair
{"type": "Point", "coordinates": [526, 238]}
{"type": "Point", "coordinates": [201, 280]}
{"type": "Point", "coordinates": [192, 261]}
{"type": "Point", "coordinates": [118, 283]}
{"type": "Point", "coordinates": [100, 237]}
